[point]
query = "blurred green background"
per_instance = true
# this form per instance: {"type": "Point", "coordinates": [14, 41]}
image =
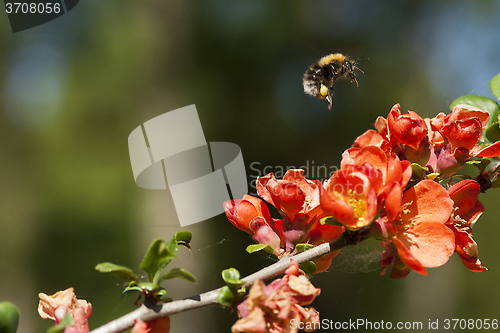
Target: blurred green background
{"type": "Point", "coordinates": [73, 89]}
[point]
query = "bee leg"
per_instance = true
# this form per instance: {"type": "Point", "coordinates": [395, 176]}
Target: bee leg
{"type": "Point", "coordinates": [353, 78]}
{"type": "Point", "coordinates": [329, 99]}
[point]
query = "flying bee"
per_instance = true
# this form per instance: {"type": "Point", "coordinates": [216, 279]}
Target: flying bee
{"type": "Point", "coordinates": [319, 78]}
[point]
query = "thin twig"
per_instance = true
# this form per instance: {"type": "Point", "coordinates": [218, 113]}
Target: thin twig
{"type": "Point", "coordinates": [210, 298]}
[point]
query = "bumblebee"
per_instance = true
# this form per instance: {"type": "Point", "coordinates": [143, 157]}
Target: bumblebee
{"type": "Point", "coordinates": [319, 78]}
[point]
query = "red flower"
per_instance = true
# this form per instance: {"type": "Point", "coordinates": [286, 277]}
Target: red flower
{"type": "Point", "coordinates": [443, 143]}
{"type": "Point", "coordinates": [467, 211]}
{"type": "Point", "coordinates": [370, 156]}
{"type": "Point", "coordinates": [319, 234]}
{"type": "Point", "coordinates": [350, 195]}
{"type": "Point", "coordinates": [56, 307]}
{"type": "Point", "coordinates": [436, 139]}
{"type": "Point", "coordinates": [278, 307]}
{"type": "Point", "coordinates": [297, 200]}
{"type": "Point", "coordinates": [464, 126]}
{"type": "Point", "coordinates": [391, 168]}
{"type": "Point", "coordinates": [463, 129]}
{"type": "Point", "coordinates": [409, 129]}
{"type": "Point", "coordinates": [372, 138]}
{"type": "Point", "coordinates": [294, 195]}
{"type": "Point", "coordinates": [446, 163]}
{"type": "Point", "coordinates": [161, 325]}
{"type": "Point", "coordinates": [252, 216]}
{"type": "Point", "coordinates": [405, 135]}
{"type": "Point", "coordinates": [355, 193]}
{"type": "Point", "coordinates": [460, 131]}
{"type": "Point", "coordinates": [416, 226]}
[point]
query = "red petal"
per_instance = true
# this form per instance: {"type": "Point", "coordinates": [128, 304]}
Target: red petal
{"type": "Point", "coordinates": [430, 202]}
{"type": "Point", "coordinates": [254, 322]}
{"type": "Point", "coordinates": [430, 243]}
{"type": "Point", "coordinates": [433, 127]}
{"type": "Point", "coordinates": [321, 233]}
{"type": "Point", "coordinates": [323, 263]}
{"type": "Point", "coordinates": [140, 326]}
{"type": "Point", "coordinates": [345, 214]}
{"type": "Point", "coordinates": [289, 197]}
{"type": "Point", "coordinates": [371, 154]}
{"type": "Point", "coordinates": [381, 124]}
{"type": "Point", "coordinates": [466, 249]}
{"type": "Point", "coordinates": [473, 214]}
{"type": "Point", "coordinates": [350, 197]}
{"type": "Point", "coordinates": [463, 111]}
{"type": "Point", "coordinates": [490, 151]}
{"type": "Point", "coordinates": [242, 212]}
{"type": "Point", "coordinates": [284, 195]}
{"type": "Point", "coordinates": [463, 133]}
{"type": "Point", "coordinates": [407, 172]}
{"type": "Point", "coordinates": [407, 257]}
{"type": "Point", "coordinates": [464, 194]}
{"type": "Point", "coordinates": [393, 202]}
{"type": "Point", "coordinates": [161, 325]}
{"type": "Point", "coordinates": [473, 266]}
{"type": "Point", "coordinates": [309, 187]}
{"type": "Point", "coordinates": [394, 170]}
{"type": "Point", "coordinates": [293, 269]}
{"type": "Point", "coordinates": [438, 121]}
{"type": "Point", "coordinates": [265, 234]}
{"type": "Point", "coordinates": [409, 129]}
{"type": "Point", "coordinates": [369, 138]}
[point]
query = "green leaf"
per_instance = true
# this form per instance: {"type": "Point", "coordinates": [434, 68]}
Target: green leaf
{"type": "Point", "coordinates": [330, 220]}
{"type": "Point", "coordinates": [495, 86]}
{"type": "Point", "coordinates": [120, 271]}
{"type": "Point", "coordinates": [148, 286]}
{"type": "Point", "coordinates": [258, 247]}
{"type": "Point", "coordinates": [178, 273]}
{"type": "Point", "coordinates": [226, 296]}
{"type": "Point", "coordinates": [485, 104]}
{"type": "Point", "coordinates": [183, 237]}
{"type": "Point", "coordinates": [132, 286]}
{"type": "Point", "coordinates": [302, 247]}
{"type": "Point", "coordinates": [308, 267]}
{"type": "Point", "coordinates": [161, 267]}
{"type": "Point", "coordinates": [418, 170]}
{"type": "Point", "coordinates": [157, 258]}
{"type": "Point", "coordinates": [230, 274]}
{"type": "Point", "coordinates": [130, 289]}
{"type": "Point", "coordinates": [9, 317]}
{"type": "Point", "coordinates": [142, 286]}
{"type": "Point", "coordinates": [161, 292]}
{"type": "Point", "coordinates": [59, 328]}
{"type": "Point", "coordinates": [232, 278]}
{"type": "Point", "coordinates": [172, 246]}
{"type": "Point", "coordinates": [493, 132]}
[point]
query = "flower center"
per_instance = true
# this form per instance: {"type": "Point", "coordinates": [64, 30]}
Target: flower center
{"type": "Point", "coordinates": [359, 205]}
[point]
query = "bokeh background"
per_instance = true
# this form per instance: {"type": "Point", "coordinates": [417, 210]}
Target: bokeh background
{"type": "Point", "coordinates": [73, 89]}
